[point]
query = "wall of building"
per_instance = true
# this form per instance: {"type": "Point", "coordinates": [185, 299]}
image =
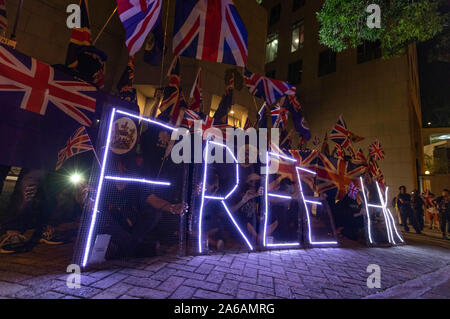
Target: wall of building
{"type": "Point", "coordinates": [374, 96]}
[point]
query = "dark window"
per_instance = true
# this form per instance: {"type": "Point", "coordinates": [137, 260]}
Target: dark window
{"type": "Point", "coordinates": [295, 72]}
{"type": "Point", "coordinates": [297, 4]}
{"type": "Point", "coordinates": [327, 62]}
{"type": "Point", "coordinates": [369, 51]}
{"type": "Point", "coordinates": [275, 14]}
{"type": "Point", "coordinates": [298, 36]}
{"type": "Point", "coordinates": [271, 74]}
{"type": "Point", "coordinates": [272, 48]}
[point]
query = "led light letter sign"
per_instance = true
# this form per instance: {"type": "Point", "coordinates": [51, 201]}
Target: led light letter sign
{"type": "Point", "coordinates": [221, 199]}
{"type": "Point", "coordinates": [306, 201]}
{"type": "Point", "coordinates": [103, 178]}
{"type": "Point", "coordinates": [391, 228]}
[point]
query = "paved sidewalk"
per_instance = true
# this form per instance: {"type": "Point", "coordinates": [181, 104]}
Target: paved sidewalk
{"type": "Point", "coordinates": [304, 273]}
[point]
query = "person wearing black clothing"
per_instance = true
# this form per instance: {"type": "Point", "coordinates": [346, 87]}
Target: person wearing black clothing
{"type": "Point", "coordinates": [443, 205]}
{"type": "Point", "coordinates": [417, 204]}
{"type": "Point", "coordinates": [349, 218]}
{"type": "Point", "coordinates": [406, 212]}
{"type": "Point", "coordinates": [247, 207]}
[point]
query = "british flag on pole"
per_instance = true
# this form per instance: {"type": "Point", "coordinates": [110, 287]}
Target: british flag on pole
{"type": "Point", "coordinates": [376, 151]}
{"type": "Point", "coordinates": [270, 90]}
{"type": "Point", "coordinates": [335, 175]}
{"type": "Point", "coordinates": [210, 30]}
{"type": "Point", "coordinates": [41, 106]}
{"type": "Point", "coordinates": [78, 143]}
{"type": "Point", "coordinates": [139, 18]}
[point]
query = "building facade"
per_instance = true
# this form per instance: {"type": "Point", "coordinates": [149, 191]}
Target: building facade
{"type": "Point", "coordinates": [379, 98]}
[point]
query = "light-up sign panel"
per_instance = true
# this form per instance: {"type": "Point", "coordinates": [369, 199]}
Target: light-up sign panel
{"type": "Point", "coordinates": [312, 222]}
{"type": "Point", "coordinates": [207, 197]}
{"type": "Point", "coordinates": [388, 233]}
{"type": "Point", "coordinates": [100, 195]}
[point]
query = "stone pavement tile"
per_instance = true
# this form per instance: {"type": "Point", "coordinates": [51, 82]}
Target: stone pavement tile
{"type": "Point", "coordinates": [100, 274]}
{"type": "Point", "coordinates": [250, 272]}
{"type": "Point", "coordinates": [271, 274]}
{"type": "Point", "coordinates": [201, 284]}
{"type": "Point", "coordinates": [264, 290]}
{"type": "Point", "coordinates": [190, 275]}
{"type": "Point", "coordinates": [83, 292]}
{"type": "Point", "coordinates": [204, 269]}
{"type": "Point", "coordinates": [204, 294]}
{"type": "Point", "coordinates": [241, 278]}
{"type": "Point", "coordinates": [114, 292]}
{"type": "Point", "coordinates": [163, 274]}
{"type": "Point", "coordinates": [313, 294]}
{"type": "Point", "coordinates": [332, 294]}
{"type": "Point", "coordinates": [137, 272]}
{"type": "Point", "coordinates": [265, 281]}
{"type": "Point", "coordinates": [171, 284]}
{"type": "Point", "coordinates": [283, 291]}
{"type": "Point", "coordinates": [156, 266]}
{"type": "Point", "coordinates": [183, 292]}
{"type": "Point", "coordinates": [196, 261]}
{"type": "Point", "coordinates": [245, 294]}
{"type": "Point", "coordinates": [142, 282]}
{"type": "Point", "coordinates": [229, 270]}
{"type": "Point", "coordinates": [229, 287]}
{"type": "Point", "coordinates": [109, 281]}
{"type": "Point", "coordinates": [215, 277]}
{"type": "Point", "coordinates": [37, 290]}
{"type": "Point", "coordinates": [9, 289]}
{"type": "Point", "coordinates": [84, 279]}
{"type": "Point", "coordinates": [181, 267]}
{"type": "Point", "coordinates": [148, 293]}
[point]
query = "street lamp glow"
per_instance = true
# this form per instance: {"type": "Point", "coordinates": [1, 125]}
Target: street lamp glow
{"type": "Point", "coordinates": [76, 178]}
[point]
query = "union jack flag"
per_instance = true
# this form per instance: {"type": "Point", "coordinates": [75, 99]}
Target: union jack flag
{"type": "Point", "coordinates": [353, 191]}
{"type": "Point", "coordinates": [339, 152]}
{"type": "Point", "coordinates": [376, 151]}
{"type": "Point", "coordinates": [270, 90]}
{"type": "Point", "coordinates": [78, 143]}
{"type": "Point", "coordinates": [335, 175]}
{"type": "Point", "coordinates": [308, 160]}
{"type": "Point", "coordinates": [279, 116]}
{"type": "Point", "coordinates": [41, 89]}
{"type": "Point", "coordinates": [210, 30]}
{"type": "Point", "coordinates": [173, 97]}
{"type": "Point", "coordinates": [190, 116]}
{"type": "Point", "coordinates": [3, 16]}
{"type": "Point", "coordinates": [300, 123]}
{"type": "Point", "coordinates": [340, 133]}
{"type": "Point", "coordinates": [376, 173]}
{"type": "Point", "coordinates": [139, 18]}
{"type": "Point", "coordinates": [196, 93]}
{"type": "Point", "coordinates": [360, 157]}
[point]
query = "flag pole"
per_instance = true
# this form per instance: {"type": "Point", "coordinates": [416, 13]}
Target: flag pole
{"type": "Point", "coordinates": [96, 156]}
{"type": "Point", "coordinates": [104, 26]}
{"type": "Point", "coordinates": [19, 10]}
{"type": "Point", "coordinates": [165, 44]}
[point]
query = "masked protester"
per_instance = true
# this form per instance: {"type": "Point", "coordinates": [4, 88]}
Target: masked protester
{"type": "Point", "coordinates": [443, 205]}
{"type": "Point", "coordinates": [406, 212]}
